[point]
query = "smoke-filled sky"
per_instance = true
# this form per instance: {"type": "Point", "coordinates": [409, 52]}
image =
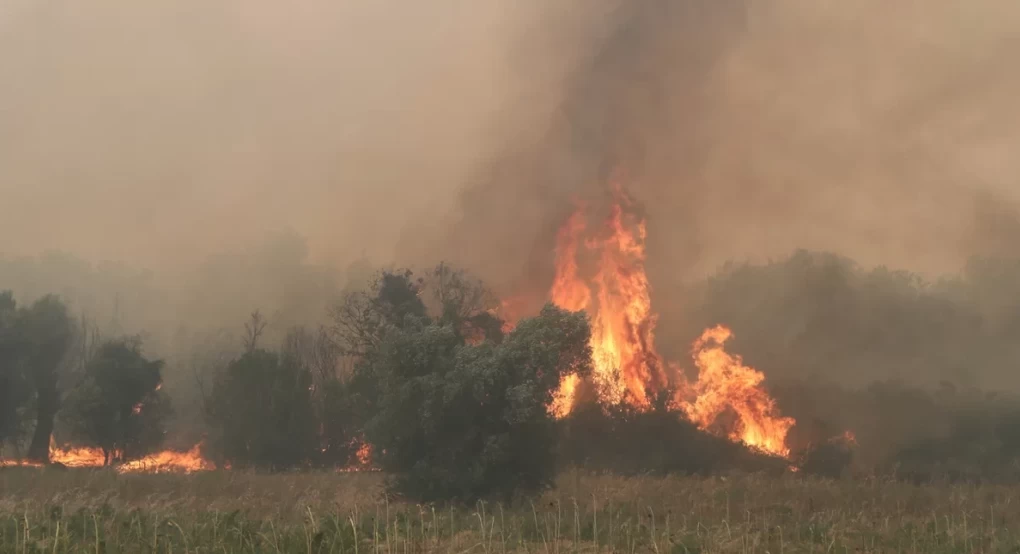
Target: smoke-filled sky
{"type": "Point", "coordinates": [159, 132]}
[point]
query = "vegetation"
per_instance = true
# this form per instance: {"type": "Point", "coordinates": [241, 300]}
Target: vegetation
{"type": "Point", "coordinates": [89, 511]}
{"type": "Point", "coordinates": [822, 317]}
{"type": "Point", "coordinates": [261, 408]}
{"type": "Point", "coordinates": [624, 441]}
{"type": "Point", "coordinates": [118, 406]}
{"type": "Point", "coordinates": [453, 404]}
{"type": "Point", "coordinates": [45, 335]}
{"type": "Point", "coordinates": [467, 421]}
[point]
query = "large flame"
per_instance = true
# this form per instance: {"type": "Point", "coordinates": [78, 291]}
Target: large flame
{"type": "Point", "coordinates": [627, 368]}
{"type": "Point", "coordinates": [623, 351]}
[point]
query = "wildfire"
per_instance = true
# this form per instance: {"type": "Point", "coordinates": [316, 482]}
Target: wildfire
{"type": "Point", "coordinates": [627, 367]}
{"type": "Point", "coordinates": [160, 462]}
{"type": "Point", "coordinates": [77, 457]}
{"type": "Point", "coordinates": [169, 461]}
{"type": "Point", "coordinates": [363, 460]}
{"type": "Point", "coordinates": [726, 384]}
{"type": "Point", "coordinates": [364, 454]}
{"type": "Point", "coordinates": [623, 351]}
{"type": "Point", "coordinates": [19, 463]}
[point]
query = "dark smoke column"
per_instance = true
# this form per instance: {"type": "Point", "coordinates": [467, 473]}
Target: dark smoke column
{"type": "Point", "coordinates": [626, 100]}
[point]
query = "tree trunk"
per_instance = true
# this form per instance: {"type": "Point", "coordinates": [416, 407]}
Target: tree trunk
{"type": "Point", "coordinates": [46, 411]}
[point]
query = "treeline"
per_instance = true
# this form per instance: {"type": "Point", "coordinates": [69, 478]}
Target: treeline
{"type": "Point", "coordinates": [452, 402]}
{"type": "Point", "coordinates": [821, 316]}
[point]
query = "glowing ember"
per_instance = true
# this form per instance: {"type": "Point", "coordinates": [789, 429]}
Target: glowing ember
{"type": "Point", "coordinates": [364, 454]}
{"type": "Point", "coordinates": [363, 459]}
{"type": "Point", "coordinates": [627, 367]}
{"type": "Point", "coordinates": [848, 438]}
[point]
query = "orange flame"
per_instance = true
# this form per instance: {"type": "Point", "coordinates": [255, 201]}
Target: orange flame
{"type": "Point", "coordinates": [19, 463]}
{"type": "Point", "coordinates": [364, 454]}
{"type": "Point", "coordinates": [627, 367]}
{"type": "Point", "coordinates": [169, 461]}
{"type": "Point", "coordinates": [363, 459]}
{"type": "Point", "coordinates": [726, 384]}
{"type": "Point", "coordinates": [159, 462]}
{"type": "Point", "coordinates": [625, 361]}
{"type": "Point", "coordinates": [79, 456]}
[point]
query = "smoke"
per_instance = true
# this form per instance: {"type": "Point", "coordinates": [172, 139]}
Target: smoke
{"type": "Point", "coordinates": [162, 132]}
{"type": "Point", "coordinates": [174, 135]}
{"type": "Point", "coordinates": [751, 129]}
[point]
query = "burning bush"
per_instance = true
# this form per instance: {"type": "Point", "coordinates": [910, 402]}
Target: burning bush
{"type": "Point", "coordinates": [118, 407]}
{"type": "Point", "coordinates": [628, 441]}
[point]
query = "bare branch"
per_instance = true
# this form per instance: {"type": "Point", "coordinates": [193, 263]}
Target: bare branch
{"type": "Point", "coordinates": [254, 328]}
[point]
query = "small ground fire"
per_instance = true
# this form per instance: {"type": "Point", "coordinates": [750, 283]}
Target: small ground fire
{"type": "Point", "coordinates": [159, 462]}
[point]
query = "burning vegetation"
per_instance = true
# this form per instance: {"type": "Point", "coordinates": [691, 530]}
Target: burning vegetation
{"type": "Point", "coordinates": [560, 360]}
{"type": "Point", "coordinates": [418, 377]}
{"type": "Point", "coordinates": [601, 269]}
{"type": "Point", "coordinates": [159, 462]}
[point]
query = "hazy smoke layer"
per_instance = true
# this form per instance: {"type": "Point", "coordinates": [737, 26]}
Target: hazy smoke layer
{"type": "Point", "coordinates": [160, 132]}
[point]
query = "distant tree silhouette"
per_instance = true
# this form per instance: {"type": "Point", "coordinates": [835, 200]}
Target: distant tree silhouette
{"type": "Point", "coordinates": [262, 411]}
{"type": "Point", "coordinates": [48, 335]}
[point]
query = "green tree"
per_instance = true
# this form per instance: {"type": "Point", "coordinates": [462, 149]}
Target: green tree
{"type": "Point", "coordinates": [261, 408]}
{"type": "Point", "coordinates": [118, 406]}
{"type": "Point", "coordinates": [47, 334]}
{"type": "Point", "coordinates": [456, 420]}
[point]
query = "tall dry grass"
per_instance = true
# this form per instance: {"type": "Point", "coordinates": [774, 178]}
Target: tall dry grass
{"type": "Point", "coordinates": [99, 511]}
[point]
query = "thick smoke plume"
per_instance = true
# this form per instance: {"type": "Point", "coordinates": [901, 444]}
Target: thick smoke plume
{"type": "Point", "coordinates": [750, 129]}
{"type": "Point", "coordinates": [173, 135]}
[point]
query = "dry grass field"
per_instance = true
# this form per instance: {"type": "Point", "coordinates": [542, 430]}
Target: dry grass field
{"type": "Point", "coordinates": [99, 511]}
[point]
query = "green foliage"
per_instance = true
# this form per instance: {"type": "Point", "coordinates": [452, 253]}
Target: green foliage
{"type": "Point", "coordinates": [261, 408]}
{"type": "Point", "coordinates": [460, 421]}
{"type": "Point", "coordinates": [47, 334]}
{"type": "Point", "coordinates": [118, 406]}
